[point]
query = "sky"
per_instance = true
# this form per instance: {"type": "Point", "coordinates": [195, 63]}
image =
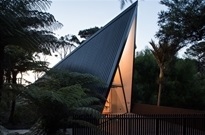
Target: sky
{"type": "Point", "coordinates": [76, 15]}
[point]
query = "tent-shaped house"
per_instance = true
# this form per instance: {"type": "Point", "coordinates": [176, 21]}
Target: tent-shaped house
{"type": "Point", "coordinates": [109, 55]}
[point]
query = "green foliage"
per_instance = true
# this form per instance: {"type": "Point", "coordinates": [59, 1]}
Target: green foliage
{"type": "Point", "coordinates": [21, 60]}
{"type": "Point", "coordinates": [22, 116]}
{"type": "Point", "coordinates": [197, 51]}
{"type": "Point", "coordinates": [66, 44]}
{"type": "Point", "coordinates": [25, 24]}
{"type": "Point", "coordinates": [20, 21]}
{"type": "Point", "coordinates": [18, 60]}
{"type": "Point", "coordinates": [184, 84]}
{"type": "Point", "coordinates": [72, 78]}
{"type": "Point", "coordinates": [145, 76]}
{"type": "Point", "coordinates": [163, 53]}
{"type": "Point", "coordinates": [88, 32]}
{"type": "Point", "coordinates": [181, 24]}
{"type": "Point", "coordinates": [184, 20]}
{"type": "Point", "coordinates": [59, 96]}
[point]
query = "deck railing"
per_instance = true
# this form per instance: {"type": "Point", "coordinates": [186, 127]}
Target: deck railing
{"type": "Point", "coordinates": [154, 124]}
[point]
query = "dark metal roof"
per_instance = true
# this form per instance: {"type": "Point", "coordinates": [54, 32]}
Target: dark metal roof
{"type": "Point", "coordinates": [100, 54]}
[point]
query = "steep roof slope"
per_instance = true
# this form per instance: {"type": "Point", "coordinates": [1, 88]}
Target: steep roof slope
{"type": "Point", "coordinates": [100, 54]}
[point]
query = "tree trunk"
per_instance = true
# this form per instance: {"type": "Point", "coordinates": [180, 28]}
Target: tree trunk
{"type": "Point", "coordinates": [1, 71]}
{"type": "Point", "coordinates": [12, 111]}
{"type": "Point", "coordinates": [159, 94]}
{"type": "Point", "coordinates": [14, 77]}
{"type": "Point", "coordinates": [8, 76]}
{"type": "Point", "coordinates": [13, 102]}
{"type": "Point", "coordinates": [161, 79]}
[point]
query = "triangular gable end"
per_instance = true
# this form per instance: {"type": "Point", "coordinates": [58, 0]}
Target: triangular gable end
{"type": "Point", "coordinates": [119, 98]}
{"type": "Point", "coordinates": [109, 55]}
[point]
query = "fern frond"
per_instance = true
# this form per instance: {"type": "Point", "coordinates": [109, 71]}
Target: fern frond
{"type": "Point", "coordinates": [87, 111]}
{"type": "Point", "coordinates": [87, 101]}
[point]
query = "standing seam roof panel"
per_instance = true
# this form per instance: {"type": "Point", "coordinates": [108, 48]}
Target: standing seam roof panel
{"type": "Point", "coordinates": [98, 55]}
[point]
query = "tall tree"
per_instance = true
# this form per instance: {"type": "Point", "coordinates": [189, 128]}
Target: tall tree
{"type": "Point", "coordinates": [182, 24]}
{"type": "Point", "coordinates": [183, 82]}
{"type": "Point", "coordinates": [197, 51]}
{"type": "Point", "coordinates": [163, 52]}
{"type": "Point", "coordinates": [18, 60]}
{"type": "Point", "coordinates": [184, 20]}
{"type": "Point", "coordinates": [25, 24]}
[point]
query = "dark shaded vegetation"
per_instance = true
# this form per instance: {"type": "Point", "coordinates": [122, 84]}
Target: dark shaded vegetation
{"type": "Point", "coordinates": [52, 102]}
{"type": "Point", "coordinates": [180, 25]}
{"type": "Point", "coordinates": [184, 85]}
{"type": "Point", "coordinates": [49, 104]}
